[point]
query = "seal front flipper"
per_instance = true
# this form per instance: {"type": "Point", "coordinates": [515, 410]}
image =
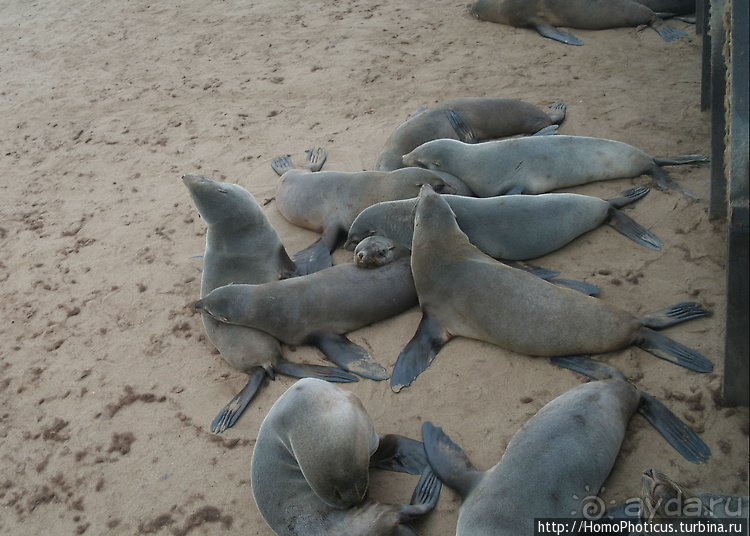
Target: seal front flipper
{"type": "Point", "coordinates": [551, 32]}
{"type": "Point", "coordinates": [633, 230]}
{"type": "Point", "coordinates": [349, 356]}
{"type": "Point", "coordinates": [232, 411]}
{"type": "Point", "coordinates": [418, 353]}
{"type": "Point", "coordinates": [672, 351]}
{"type": "Point", "coordinates": [399, 453]}
{"type": "Point", "coordinates": [461, 127]}
{"type": "Point", "coordinates": [313, 258]}
{"type": "Point", "coordinates": [676, 432]}
{"type": "Point", "coordinates": [451, 465]}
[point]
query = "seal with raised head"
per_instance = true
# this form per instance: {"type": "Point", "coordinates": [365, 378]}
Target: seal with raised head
{"type": "Point", "coordinates": [557, 458]}
{"type": "Point", "coordinates": [514, 227]}
{"type": "Point", "coordinates": [319, 308]}
{"type": "Point", "coordinates": [466, 119]}
{"type": "Point", "coordinates": [311, 465]}
{"type": "Point", "coordinates": [328, 201]}
{"type": "Point", "coordinates": [243, 247]}
{"type": "Point", "coordinates": [545, 15]}
{"type": "Point", "coordinates": [463, 292]}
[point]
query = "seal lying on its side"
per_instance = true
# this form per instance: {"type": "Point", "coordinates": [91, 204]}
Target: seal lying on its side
{"type": "Point", "coordinates": [515, 227]}
{"type": "Point", "coordinates": [311, 463]}
{"type": "Point", "coordinates": [539, 164]}
{"type": "Point", "coordinates": [319, 308]}
{"type": "Point", "coordinates": [483, 118]}
{"type": "Point", "coordinates": [545, 15]}
{"type": "Point", "coordinates": [463, 292]}
{"type": "Point", "coordinates": [557, 458]}
{"type": "Point", "coordinates": [243, 247]}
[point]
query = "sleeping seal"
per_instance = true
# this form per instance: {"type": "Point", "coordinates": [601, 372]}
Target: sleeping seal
{"type": "Point", "coordinates": [479, 119]}
{"type": "Point", "coordinates": [560, 455]}
{"type": "Point", "coordinates": [311, 463]}
{"type": "Point", "coordinates": [243, 247]}
{"type": "Point", "coordinates": [539, 164]}
{"type": "Point", "coordinates": [463, 292]}
{"type": "Point", "coordinates": [545, 15]}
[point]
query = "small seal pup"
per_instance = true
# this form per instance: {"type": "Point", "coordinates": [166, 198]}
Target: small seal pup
{"type": "Point", "coordinates": [514, 227]}
{"type": "Point", "coordinates": [243, 247]}
{"type": "Point", "coordinates": [467, 118]}
{"type": "Point", "coordinates": [311, 463]}
{"type": "Point", "coordinates": [319, 308]}
{"type": "Point", "coordinates": [545, 15]}
{"type": "Point", "coordinates": [328, 201]}
{"type": "Point", "coordinates": [567, 449]}
{"type": "Point", "coordinates": [539, 164]}
{"type": "Point", "coordinates": [463, 292]}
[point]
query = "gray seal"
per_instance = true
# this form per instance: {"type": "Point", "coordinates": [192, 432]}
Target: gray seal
{"type": "Point", "coordinates": [515, 227]}
{"type": "Point", "coordinates": [319, 308]}
{"type": "Point", "coordinates": [311, 464]}
{"type": "Point", "coordinates": [559, 457]}
{"type": "Point", "coordinates": [538, 164]}
{"type": "Point", "coordinates": [467, 118]}
{"type": "Point", "coordinates": [545, 15]}
{"type": "Point", "coordinates": [243, 247]}
{"type": "Point", "coordinates": [463, 292]}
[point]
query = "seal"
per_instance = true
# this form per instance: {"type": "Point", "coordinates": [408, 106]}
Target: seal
{"type": "Point", "coordinates": [556, 459]}
{"type": "Point", "coordinates": [545, 15]}
{"type": "Point", "coordinates": [539, 164]}
{"type": "Point", "coordinates": [311, 464]}
{"type": "Point", "coordinates": [243, 247]}
{"type": "Point", "coordinates": [319, 308]}
{"type": "Point", "coordinates": [328, 201]}
{"type": "Point", "coordinates": [463, 292]}
{"type": "Point", "coordinates": [468, 118]}
{"type": "Point", "coordinates": [515, 227]}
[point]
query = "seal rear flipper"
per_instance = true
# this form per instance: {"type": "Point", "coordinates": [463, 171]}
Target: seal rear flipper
{"type": "Point", "coordinates": [557, 115]}
{"type": "Point", "coordinates": [633, 230]}
{"type": "Point", "coordinates": [232, 411]}
{"type": "Point", "coordinates": [682, 159]}
{"type": "Point", "coordinates": [666, 182]}
{"type": "Point", "coordinates": [539, 271]}
{"type": "Point", "coordinates": [628, 196]}
{"type": "Point", "coordinates": [313, 258]}
{"type": "Point", "coordinates": [418, 353]}
{"type": "Point", "coordinates": [674, 314]}
{"type": "Point", "coordinates": [461, 127]}
{"type": "Point", "coordinates": [580, 286]}
{"type": "Point", "coordinates": [400, 454]}
{"type": "Point", "coordinates": [672, 351]}
{"type": "Point", "coordinates": [451, 464]}
{"type": "Point", "coordinates": [349, 356]}
{"type": "Point", "coordinates": [424, 499]}
{"type": "Point", "coordinates": [676, 432]}
{"type": "Point", "coordinates": [667, 32]}
{"type": "Point", "coordinates": [297, 370]}
{"type": "Point", "coordinates": [588, 367]}
{"type": "Point", "coordinates": [282, 164]}
{"type": "Point", "coordinates": [551, 32]}
{"type": "Point", "coordinates": [546, 131]}
{"type": "Point", "coordinates": [316, 157]}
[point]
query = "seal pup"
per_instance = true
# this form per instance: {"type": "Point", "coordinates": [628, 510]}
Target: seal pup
{"type": "Point", "coordinates": [243, 247]}
{"type": "Point", "coordinates": [567, 449]}
{"type": "Point", "coordinates": [328, 201]}
{"type": "Point", "coordinates": [467, 118]}
{"type": "Point", "coordinates": [311, 463]}
{"type": "Point", "coordinates": [536, 165]}
{"type": "Point", "coordinates": [463, 292]}
{"type": "Point", "coordinates": [545, 15]}
{"type": "Point", "coordinates": [516, 227]}
{"type": "Point", "coordinates": [319, 308]}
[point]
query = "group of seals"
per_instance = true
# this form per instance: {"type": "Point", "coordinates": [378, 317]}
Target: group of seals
{"type": "Point", "coordinates": [311, 463]}
{"type": "Point", "coordinates": [567, 449]}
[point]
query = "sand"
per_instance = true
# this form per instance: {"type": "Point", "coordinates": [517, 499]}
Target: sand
{"type": "Point", "coordinates": [107, 382]}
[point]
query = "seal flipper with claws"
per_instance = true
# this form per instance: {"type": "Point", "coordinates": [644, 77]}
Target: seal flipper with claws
{"type": "Point", "coordinates": [243, 246]}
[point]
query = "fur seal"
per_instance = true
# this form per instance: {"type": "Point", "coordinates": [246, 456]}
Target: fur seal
{"type": "Point", "coordinates": [243, 247]}
{"type": "Point", "coordinates": [311, 463]}
{"type": "Point", "coordinates": [545, 15]}
{"type": "Point", "coordinates": [562, 453]}
{"type": "Point", "coordinates": [328, 201]}
{"type": "Point", "coordinates": [535, 165]}
{"type": "Point", "coordinates": [515, 227]}
{"type": "Point", "coordinates": [480, 118]}
{"type": "Point", "coordinates": [458, 286]}
{"type": "Point", "coordinates": [318, 308]}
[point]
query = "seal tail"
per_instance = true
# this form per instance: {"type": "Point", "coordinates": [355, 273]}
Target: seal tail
{"type": "Point", "coordinates": [665, 181]}
{"type": "Point", "coordinates": [674, 314]}
{"type": "Point", "coordinates": [676, 432]}
{"type": "Point", "coordinates": [448, 461]}
{"type": "Point", "coordinates": [588, 367]}
{"type": "Point", "coordinates": [418, 353]}
{"type": "Point", "coordinates": [667, 32]}
{"type": "Point", "coordinates": [672, 351]}
{"type": "Point", "coordinates": [349, 356]}
{"type": "Point", "coordinates": [633, 230]}
{"type": "Point", "coordinates": [232, 411]}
